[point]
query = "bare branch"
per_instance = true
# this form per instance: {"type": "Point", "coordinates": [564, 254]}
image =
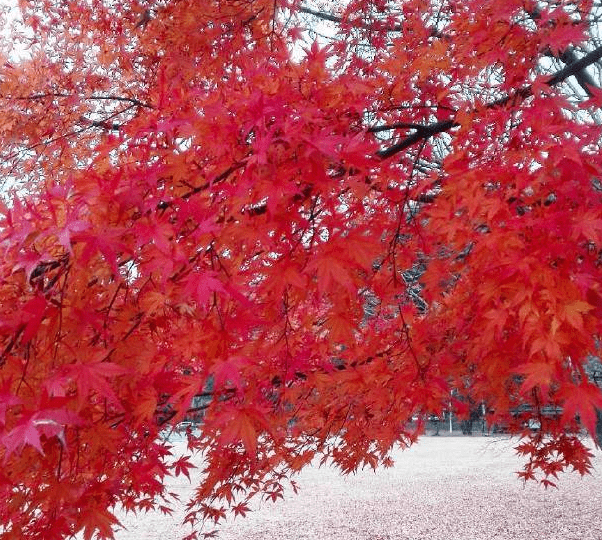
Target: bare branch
{"type": "Point", "coordinates": [427, 131]}
{"type": "Point", "coordinates": [576, 67]}
{"type": "Point", "coordinates": [584, 79]}
{"type": "Point", "coordinates": [397, 125]}
{"type": "Point", "coordinates": [321, 15]}
{"type": "Point", "coordinates": [103, 124]}
{"type": "Point", "coordinates": [339, 20]}
{"type": "Point", "coordinates": [421, 133]}
{"type": "Point", "coordinates": [44, 95]}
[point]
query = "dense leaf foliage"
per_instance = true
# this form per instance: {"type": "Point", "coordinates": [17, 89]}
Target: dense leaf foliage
{"type": "Point", "coordinates": [323, 237]}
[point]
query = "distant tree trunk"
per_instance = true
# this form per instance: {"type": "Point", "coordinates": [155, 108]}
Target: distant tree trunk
{"type": "Point", "coordinates": [599, 427]}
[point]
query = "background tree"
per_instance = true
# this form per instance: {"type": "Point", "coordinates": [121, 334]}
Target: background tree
{"type": "Point", "coordinates": [200, 191]}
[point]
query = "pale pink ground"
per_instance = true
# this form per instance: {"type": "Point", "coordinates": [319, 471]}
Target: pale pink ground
{"type": "Point", "coordinates": [452, 488]}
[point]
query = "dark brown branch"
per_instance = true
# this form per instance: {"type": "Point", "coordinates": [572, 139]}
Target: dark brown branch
{"type": "Point", "coordinates": [421, 133]}
{"type": "Point", "coordinates": [569, 57]}
{"type": "Point", "coordinates": [164, 205]}
{"type": "Point", "coordinates": [133, 101]}
{"type": "Point", "coordinates": [216, 180]}
{"type": "Point", "coordinates": [585, 80]}
{"type": "Point", "coordinates": [427, 131]}
{"type": "Point", "coordinates": [106, 123]}
{"type": "Point", "coordinates": [44, 95]}
{"type": "Point", "coordinates": [321, 15]}
{"type": "Point", "coordinates": [426, 198]}
{"type": "Point", "coordinates": [576, 67]}
{"type": "Point", "coordinates": [102, 124]}
{"type": "Point", "coordinates": [11, 344]}
{"type": "Point", "coordinates": [339, 20]}
{"type": "Point", "coordinates": [397, 125]}
{"type": "Point", "coordinates": [256, 210]}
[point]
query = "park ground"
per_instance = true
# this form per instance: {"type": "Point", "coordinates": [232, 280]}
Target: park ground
{"type": "Point", "coordinates": [443, 488]}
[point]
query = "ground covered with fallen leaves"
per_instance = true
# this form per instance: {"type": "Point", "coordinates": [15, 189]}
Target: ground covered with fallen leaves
{"type": "Point", "coordinates": [444, 488]}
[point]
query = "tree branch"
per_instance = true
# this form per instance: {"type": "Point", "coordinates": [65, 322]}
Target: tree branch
{"type": "Point", "coordinates": [44, 95]}
{"type": "Point", "coordinates": [427, 131]}
{"type": "Point", "coordinates": [219, 178]}
{"type": "Point", "coordinates": [103, 124]}
{"type": "Point", "coordinates": [584, 78]}
{"type": "Point", "coordinates": [421, 133]}
{"type": "Point", "coordinates": [397, 125]}
{"type": "Point", "coordinates": [164, 205]}
{"type": "Point", "coordinates": [340, 20]}
{"type": "Point", "coordinates": [320, 14]}
{"type": "Point", "coordinates": [575, 67]}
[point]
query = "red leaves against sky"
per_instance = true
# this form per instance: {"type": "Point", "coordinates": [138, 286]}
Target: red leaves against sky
{"type": "Point", "coordinates": [201, 206]}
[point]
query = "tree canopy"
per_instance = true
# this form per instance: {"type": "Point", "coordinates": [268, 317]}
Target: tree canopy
{"type": "Point", "coordinates": [324, 219]}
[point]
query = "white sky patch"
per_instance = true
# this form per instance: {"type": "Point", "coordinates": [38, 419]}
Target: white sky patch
{"type": "Point", "coordinates": [14, 35]}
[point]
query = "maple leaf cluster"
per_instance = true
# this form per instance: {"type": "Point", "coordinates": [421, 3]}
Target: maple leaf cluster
{"type": "Point", "coordinates": [315, 240]}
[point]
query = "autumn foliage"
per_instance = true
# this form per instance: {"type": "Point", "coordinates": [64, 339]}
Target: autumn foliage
{"type": "Point", "coordinates": [322, 236]}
